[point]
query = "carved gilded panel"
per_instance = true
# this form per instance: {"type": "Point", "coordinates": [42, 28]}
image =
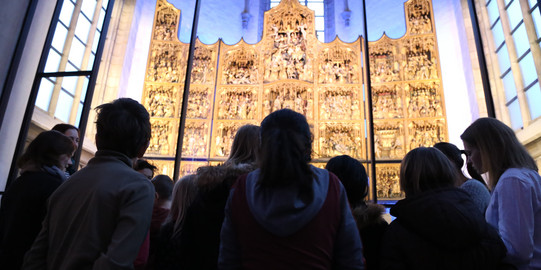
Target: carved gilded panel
{"type": "Point", "coordinates": [340, 63]}
{"type": "Point", "coordinates": [388, 184]}
{"type": "Point", "coordinates": [387, 101]}
{"type": "Point", "coordinates": [336, 138]}
{"type": "Point", "coordinates": [288, 41]}
{"type": "Point", "coordinates": [421, 59]}
{"type": "Point", "coordinates": [424, 99]}
{"type": "Point", "coordinates": [426, 133]}
{"type": "Point", "coordinates": [163, 140]}
{"type": "Point", "coordinates": [166, 22]}
{"type": "Point", "coordinates": [196, 139]}
{"type": "Point", "coordinates": [199, 102]}
{"type": "Point", "coordinates": [204, 63]}
{"type": "Point", "coordinates": [239, 64]}
{"type": "Point", "coordinates": [419, 17]}
{"type": "Point", "coordinates": [166, 63]}
{"type": "Point", "coordinates": [237, 103]}
{"type": "Point", "coordinates": [340, 102]}
{"type": "Point", "coordinates": [161, 99]}
{"type": "Point", "coordinates": [389, 139]}
{"type": "Point", "coordinates": [385, 61]}
{"type": "Point", "coordinates": [289, 95]}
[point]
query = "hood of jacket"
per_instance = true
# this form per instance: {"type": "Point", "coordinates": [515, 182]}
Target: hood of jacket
{"type": "Point", "coordinates": [368, 215]}
{"type": "Point", "coordinates": [209, 178]}
{"type": "Point", "coordinates": [446, 217]}
{"type": "Point", "coordinates": [280, 210]}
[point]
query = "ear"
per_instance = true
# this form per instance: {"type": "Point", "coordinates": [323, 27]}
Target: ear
{"type": "Point", "coordinates": [143, 149]}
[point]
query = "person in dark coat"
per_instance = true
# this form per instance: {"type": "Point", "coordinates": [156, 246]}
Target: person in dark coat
{"type": "Point", "coordinates": [368, 216]}
{"type": "Point", "coordinates": [196, 247]}
{"type": "Point", "coordinates": [24, 203]}
{"type": "Point", "coordinates": [437, 225]}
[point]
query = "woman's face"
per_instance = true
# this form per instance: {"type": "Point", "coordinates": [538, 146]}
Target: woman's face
{"type": "Point", "coordinates": [474, 157]}
{"type": "Point", "coordinates": [65, 161]}
{"type": "Point", "coordinates": [73, 134]}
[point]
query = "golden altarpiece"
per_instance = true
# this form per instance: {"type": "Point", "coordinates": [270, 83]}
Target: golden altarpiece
{"type": "Point", "coordinates": [290, 68]}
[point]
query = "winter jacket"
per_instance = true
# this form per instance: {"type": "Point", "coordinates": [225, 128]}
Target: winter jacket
{"type": "Point", "coordinates": [371, 227]}
{"type": "Point", "coordinates": [197, 246]}
{"type": "Point", "coordinates": [440, 229]}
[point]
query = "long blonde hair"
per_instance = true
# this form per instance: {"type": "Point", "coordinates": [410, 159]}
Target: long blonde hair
{"type": "Point", "coordinates": [498, 146]}
{"type": "Point", "coordinates": [184, 193]}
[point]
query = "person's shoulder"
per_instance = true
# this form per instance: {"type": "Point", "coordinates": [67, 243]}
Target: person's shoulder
{"type": "Point", "coordinates": [523, 175]}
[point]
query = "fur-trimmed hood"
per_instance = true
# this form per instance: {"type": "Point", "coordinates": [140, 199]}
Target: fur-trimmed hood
{"type": "Point", "coordinates": [369, 214]}
{"type": "Point", "coordinates": [210, 177]}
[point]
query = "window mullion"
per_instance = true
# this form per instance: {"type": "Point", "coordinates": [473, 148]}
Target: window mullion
{"type": "Point", "coordinates": [84, 64]}
{"type": "Point", "coordinates": [64, 58]}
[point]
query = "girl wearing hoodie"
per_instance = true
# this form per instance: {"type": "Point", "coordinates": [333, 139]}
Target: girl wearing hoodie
{"type": "Point", "coordinates": [288, 214]}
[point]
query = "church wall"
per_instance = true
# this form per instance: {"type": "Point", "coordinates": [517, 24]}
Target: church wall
{"type": "Point", "coordinates": [22, 84]}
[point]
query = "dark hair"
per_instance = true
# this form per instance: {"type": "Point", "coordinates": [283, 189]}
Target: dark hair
{"type": "Point", "coordinates": [353, 176]}
{"type": "Point", "coordinates": [498, 146]}
{"type": "Point", "coordinates": [163, 186]}
{"type": "Point", "coordinates": [122, 126]}
{"type": "Point", "coordinates": [286, 148]}
{"type": "Point", "coordinates": [62, 128]}
{"type": "Point", "coordinates": [141, 164]}
{"type": "Point", "coordinates": [245, 147]}
{"type": "Point", "coordinates": [452, 152]}
{"type": "Point", "coordinates": [424, 169]}
{"type": "Point", "coordinates": [46, 149]}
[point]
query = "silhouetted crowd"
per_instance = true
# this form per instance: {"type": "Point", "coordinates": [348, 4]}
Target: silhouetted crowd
{"type": "Point", "coordinates": [266, 206]}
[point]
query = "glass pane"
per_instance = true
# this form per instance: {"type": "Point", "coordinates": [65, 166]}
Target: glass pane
{"type": "Point", "coordinates": [514, 114]}
{"type": "Point", "coordinates": [71, 67]}
{"type": "Point", "coordinates": [59, 37]}
{"type": "Point", "coordinates": [527, 67]}
{"type": "Point", "coordinates": [320, 23]}
{"type": "Point", "coordinates": [493, 12]}
{"type": "Point", "coordinates": [515, 14]}
{"type": "Point", "coordinates": [532, 3]}
{"type": "Point", "coordinates": [536, 16]}
{"type": "Point", "coordinates": [317, 8]}
{"type": "Point", "coordinates": [509, 86]}
{"type": "Point", "coordinates": [66, 12]}
{"type": "Point", "coordinates": [79, 112]}
{"type": "Point", "coordinates": [69, 83]}
{"type": "Point", "coordinates": [497, 32]}
{"type": "Point", "coordinates": [76, 53]}
{"type": "Point", "coordinates": [521, 40]}
{"type": "Point", "coordinates": [85, 89]}
{"type": "Point", "coordinates": [63, 107]}
{"type": "Point", "coordinates": [96, 41]}
{"type": "Point", "coordinates": [88, 8]}
{"type": "Point", "coordinates": [45, 92]}
{"type": "Point", "coordinates": [53, 61]}
{"type": "Point", "coordinates": [90, 61]}
{"type": "Point", "coordinates": [101, 19]}
{"type": "Point", "coordinates": [503, 59]}
{"type": "Point", "coordinates": [533, 95]}
{"type": "Point", "coordinates": [82, 29]}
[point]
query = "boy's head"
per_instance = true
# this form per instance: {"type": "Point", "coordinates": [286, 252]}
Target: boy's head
{"type": "Point", "coordinates": [123, 126]}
